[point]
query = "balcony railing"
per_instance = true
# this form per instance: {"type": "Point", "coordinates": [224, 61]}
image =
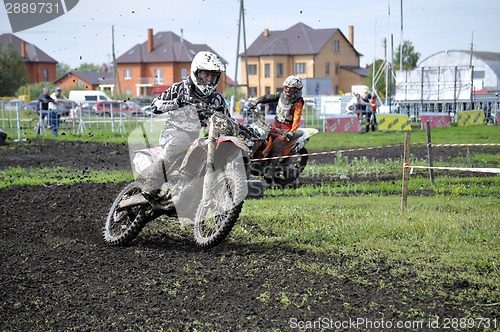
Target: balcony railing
{"type": "Point", "coordinates": [146, 81]}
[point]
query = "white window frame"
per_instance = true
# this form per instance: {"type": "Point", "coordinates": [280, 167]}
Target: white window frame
{"type": "Point", "coordinates": [336, 45]}
{"type": "Point", "coordinates": [127, 74]}
{"type": "Point", "coordinates": [300, 68]}
{"type": "Point", "coordinates": [158, 76]}
{"type": "Point", "coordinates": [267, 70]}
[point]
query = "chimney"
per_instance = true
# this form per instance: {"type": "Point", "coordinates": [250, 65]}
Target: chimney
{"type": "Point", "coordinates": [266, 32]}
{"type": "Point", "coordinates": [351, 34]}
{"type": "Point", "coordinates": [23, 49]}
{"type": "Point", "coordinates": [150, 40]}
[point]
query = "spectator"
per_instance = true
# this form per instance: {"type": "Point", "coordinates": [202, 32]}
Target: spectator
{"type": "Point", "coordinates": [355, 105]}
{"type": "Point", "coordinates": [371, 119]}
{"type": "Point", "coordinates": [365, 102]}
{"type": "Point", "coordinates": [57, 107]}
{"type": "Point", "coordinates": [44, 99]}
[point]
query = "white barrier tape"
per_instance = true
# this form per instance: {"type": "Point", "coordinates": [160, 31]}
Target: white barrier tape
{"type": "Point", "coordinates": [464, 169]}
{"type": "Point", "coordinates": [368, 148]}
{"type": "Point", "coordinates": [479, 144]}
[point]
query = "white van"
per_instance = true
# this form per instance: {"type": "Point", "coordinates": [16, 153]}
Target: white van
{"type": "Point", "coordinates": [81, 96]}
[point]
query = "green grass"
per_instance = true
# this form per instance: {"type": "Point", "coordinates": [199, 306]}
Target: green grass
{"type": "Point", "coordinates": [444, 186]}
{"type": "Point", "coordinates": [435, 236]}
{"type": "Point", "coordinates": [18, 176]}
{"type": "Point", "coordinates": [445, 135]}
{"type": "Point", "coordinates": [320, 142]}
{"type": "Point", "coordinates": [448, 236]}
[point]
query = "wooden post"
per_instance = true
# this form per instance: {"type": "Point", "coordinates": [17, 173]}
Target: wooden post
{"type": "Point", "coordinates": [430, 155]}
{"type": "Point", "coordinates": [406, 172]}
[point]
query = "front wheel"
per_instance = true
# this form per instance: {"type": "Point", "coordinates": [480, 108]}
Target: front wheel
{"type": "Point", "coordinates": [218, 213]}
{"type": "Point", "coordinates": [123, 225]}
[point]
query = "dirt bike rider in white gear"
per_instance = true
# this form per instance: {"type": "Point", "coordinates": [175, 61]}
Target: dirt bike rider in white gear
{"type": "Point", "coordinates": [182, 127]}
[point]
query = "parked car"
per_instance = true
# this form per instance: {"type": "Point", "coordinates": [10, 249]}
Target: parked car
{"type": "Point", "coordinates": [81, 96]}
{"type": "Point", "coordinates": [13, 103]}
{"type": "Point", "coordinates": [133, 105]}
{"type": "Point", "coordinates": [147, 111]}
{"type": "Point", "coordinates": [32, 105]}
{"type": "Point", "coordinates": [117, 107]}
{"type": "Point", "coordinates": [88, 107]}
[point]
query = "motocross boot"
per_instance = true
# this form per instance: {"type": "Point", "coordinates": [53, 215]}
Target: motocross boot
{"type": "Point", "coordinates": [154, 181]}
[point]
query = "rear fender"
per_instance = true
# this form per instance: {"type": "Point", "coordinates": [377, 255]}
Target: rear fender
{"type": "Point", "coordinates": [307, 134]}
{"type": "Point", "coordinates": [145, 158]}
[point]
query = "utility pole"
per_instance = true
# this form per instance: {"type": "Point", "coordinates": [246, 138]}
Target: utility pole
{"type": "Point", "coordinates": [471, 72]}
{"type": "Point", "coordinates": [115, 68]}
{"type": "Point", "coordinates": [402, 40]}
{"type": "Point", "coordinates": [386, 72]}
{"type": "Point", "coordinates": [241, 22]}
{"type": "Point", "coordinates": [374, 59]}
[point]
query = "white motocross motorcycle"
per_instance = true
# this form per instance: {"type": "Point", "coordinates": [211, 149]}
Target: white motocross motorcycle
{"type": "Point", "coordinates": [209, 190]}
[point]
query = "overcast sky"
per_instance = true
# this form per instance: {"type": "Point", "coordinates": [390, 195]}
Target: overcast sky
{"type": "Point", "coordinates": [84, 33]}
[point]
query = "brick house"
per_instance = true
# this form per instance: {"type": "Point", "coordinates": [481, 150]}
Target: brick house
{"type": "Point", "coordinates": [40, 67]}
{"type": "Point", "coordinates": [151, 67]}
{"type": "Point", "coordinates": [87, 80]}
{"type": "Point", "coordinates": [305, 52]}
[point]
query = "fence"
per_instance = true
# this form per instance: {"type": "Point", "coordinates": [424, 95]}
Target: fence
{"type": "Point", "coordinates": [80, 122]}
{"type": "Point", "coordinates": [76, 121]}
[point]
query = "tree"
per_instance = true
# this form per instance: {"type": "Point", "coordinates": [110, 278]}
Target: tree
{"type": "Point", "coordinates": [380, 78]}
{"type": "Point", "coordinates": [410, 56]}
{"type": "Point", "coordinates": [33, 90]}
{"type": "Point", "coordinates": [13, 71]}
{"type": "Point", "coordinates": [89, 67]}
{"type": "Point", "coordinates": [62, 68]}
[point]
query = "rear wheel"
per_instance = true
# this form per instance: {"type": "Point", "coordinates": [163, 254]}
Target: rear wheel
{"type": "Point", "coordinates": [289, 169]}
{"type": "Point", "coordinates": [123, 225]}
{"type": "Point", "coordinates": [217, 215]}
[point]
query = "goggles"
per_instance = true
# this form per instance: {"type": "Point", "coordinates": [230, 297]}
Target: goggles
{"type": "Point", "coordinates": [290, 89]}
{"type": "Point", "coordinates": [208, 76]}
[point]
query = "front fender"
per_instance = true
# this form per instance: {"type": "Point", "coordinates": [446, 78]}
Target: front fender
{"type": "Point", "coordinates": [235, 140]}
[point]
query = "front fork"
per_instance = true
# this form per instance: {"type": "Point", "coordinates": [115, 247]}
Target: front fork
{"type": "Point", "coordinates": [210, 165]}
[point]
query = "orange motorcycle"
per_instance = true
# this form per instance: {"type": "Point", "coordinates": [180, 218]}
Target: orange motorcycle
{"type": "Point", "coordinates": [286, 170]}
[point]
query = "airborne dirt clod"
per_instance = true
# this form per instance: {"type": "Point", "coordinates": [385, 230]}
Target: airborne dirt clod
{"type": "Point", "coordinates": [58, 274]}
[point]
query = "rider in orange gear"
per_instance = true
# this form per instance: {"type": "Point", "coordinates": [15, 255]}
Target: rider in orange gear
{"type": "Point", "coordinates": [288, 113]}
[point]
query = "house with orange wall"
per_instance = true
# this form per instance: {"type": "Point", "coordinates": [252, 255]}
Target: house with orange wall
{"type": "Point", "coordinates": [87, 80]}
{"type": "Point", "coordinates": [40, 66]}
{"type": "Point", "coordinates": [303, 51]}
{"type": "Point", "coordinates": [151, 67]}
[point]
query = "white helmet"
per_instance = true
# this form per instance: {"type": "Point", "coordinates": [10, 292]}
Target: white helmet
{"type": "Point", "coordinates": [292, 87]}
{"type": "Point", "coordinates": [210, 62]}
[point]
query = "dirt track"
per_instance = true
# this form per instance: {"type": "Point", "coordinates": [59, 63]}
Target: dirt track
{"type": "Point", "coordinates": [57, 273]}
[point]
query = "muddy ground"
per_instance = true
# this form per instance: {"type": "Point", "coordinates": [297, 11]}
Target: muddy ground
{"type": "Point", "coordinates": [57, 274]}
